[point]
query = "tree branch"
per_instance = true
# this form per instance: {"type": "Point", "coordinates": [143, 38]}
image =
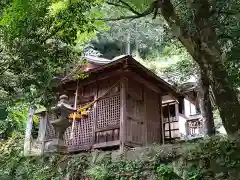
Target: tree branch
{"type": "Point", "coordinates": [169, 14]}
{"type": "Point", "coordinates": [120, 18]}
{"type": "Point", "coordinates": [114, 4]}
{"type": "Point", "coordinates": [129, 7]}
{"type": "Point", "coordinates": [124, 5]}
{"type": "Point", "coordinates": [138, 15]}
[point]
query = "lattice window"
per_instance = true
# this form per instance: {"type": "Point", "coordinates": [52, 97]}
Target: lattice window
{"type": "Point", "coordinates": [195, 127]}
{"type": "Point", "coordinates": [82, 133]}
{"type": "Point", "coordinates": [108, 111]}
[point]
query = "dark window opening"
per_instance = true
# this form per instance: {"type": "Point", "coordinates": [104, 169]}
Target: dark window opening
{"type": "Point", "coordinates": [181, 105]}
{"type": "Point", "coordinates": [170, 123]}
{"type": "Point", "coordinates": [169, 110]}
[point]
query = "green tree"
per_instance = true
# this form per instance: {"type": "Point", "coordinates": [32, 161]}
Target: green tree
{"type": "Point", "coordinates": [14, 120]}
{"type": "Point", "coordinates": [186, 69]}
{"type": "Point", "coordinates": [146, 37]}
{"type": "Point", "coordinates": [198, 26]}
{"type": "Point", "coordinates": [38, 42]}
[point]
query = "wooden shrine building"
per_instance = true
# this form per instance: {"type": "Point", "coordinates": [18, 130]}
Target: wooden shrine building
{"type": "Point", "coordinates": [126, 110]}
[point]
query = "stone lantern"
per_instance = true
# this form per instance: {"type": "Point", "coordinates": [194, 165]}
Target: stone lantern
{"type": "Point", "coordinates": [60, 123]}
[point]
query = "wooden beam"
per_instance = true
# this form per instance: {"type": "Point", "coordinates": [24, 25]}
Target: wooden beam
{"type": "Point", "coordinates": [138, 78]}
{"type": "Point", "coordinates": [133, 144]}
{"type": "Point", "coordinates": [108, 128]}
{"type": "Point", "coordinates": [95, 114]}
{"type": "Point", "coordinates": [169, 103]}
{"type": "Point", "coordinates": [105, 76]}
{"type": "Point", "coordinates": [106, 144]}
{"type": "Point", "coordinates": [70, 86]}
{"type": "Point", "coordinates": [123, 112]}
{"type": "Point", "coordinates": [145, 116]}
{"type": "Point", "coordinates": [161, 118]}
{"type": "Point", "coordinates": [177, 112]}
{"type": "Point", "coordinates": [169, 125]}
{"type": "Point", "coordinates": [80, 148]}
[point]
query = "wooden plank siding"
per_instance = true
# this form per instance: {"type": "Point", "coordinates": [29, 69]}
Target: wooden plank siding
{"type": "Point", "coordinates": [144, 122]}
{"type": "Point", "coordinates": [135, 114]}
{"type": "Point", "coordinates": [103, 123]}
{"type": "Point", "coordinates": [153, 117]}
{"type": "Point", "coordinates": [128, 115]}
{"type": "Point", "coordinates": [123, 112]}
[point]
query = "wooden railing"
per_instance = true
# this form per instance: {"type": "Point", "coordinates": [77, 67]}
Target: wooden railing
{"type": "Point", "coordinates": [194, 128]}
{"type": "Point", "coordinates": [190, 127]}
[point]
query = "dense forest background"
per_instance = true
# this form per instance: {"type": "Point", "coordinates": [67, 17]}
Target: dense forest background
{"type": "Point", "coordinates": [177, 39]}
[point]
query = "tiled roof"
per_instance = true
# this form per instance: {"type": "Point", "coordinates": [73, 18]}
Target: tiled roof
{"type": "Point", "coordinates": [97, 60]}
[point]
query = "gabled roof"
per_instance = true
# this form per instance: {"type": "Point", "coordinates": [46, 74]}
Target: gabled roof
{"type": "Point", "coordinates": [97, 60]}
{"type": "Point", "coordinates": [188, 86]}
{"type": "Point", "coordinates": [134, 65]}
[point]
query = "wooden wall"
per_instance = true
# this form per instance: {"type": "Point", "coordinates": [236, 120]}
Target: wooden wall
{"type": "Point", "coordinates": [153, 117]}
{"type": "Point", "coordinates": [103, 120]}
{"type": "Point", "coordinates": [142, 122]}
{"type": "Point", "coordinates": [144, 115]}
{"type": "Point", "coordinates": [82, 131]}
{"type": "Point", "coordinates": [135, 113]}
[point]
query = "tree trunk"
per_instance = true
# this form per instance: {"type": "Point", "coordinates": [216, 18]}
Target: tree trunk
{"type": "Point", "coordinates": [226, 98]}
{"type": "Point", "coordinates": [201, 42]}
{"type": "Point", "coordinates": [137, 50]}
{"type": "Point", "coordinates": [209, 49]}
{"type": "Point", "coordinates": [205, 104]}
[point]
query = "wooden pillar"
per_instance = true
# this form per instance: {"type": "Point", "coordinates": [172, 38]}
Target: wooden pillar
{"type": "Point", "coordinates": [145, 116]}
{"type": "Point", "coordinates": [187, 129]}
{"type": "Point", "coordinates": [161, 119]}
{"type": "Point", "coordinates": [95, 115]}
{"type": "Point", "coordinates": [169, 124]}
{"type": "Point", "coordinates": [177, 111]}
{"type": "Point", "coordinates": [123, 112]}
{"type": "Point", "coordinates": [177, 117]}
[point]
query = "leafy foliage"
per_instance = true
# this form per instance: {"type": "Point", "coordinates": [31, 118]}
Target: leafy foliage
{"type": "Point", "coordinates": [144, 34]}
{"type": "Point", "coordinates": [216, 158]}
{"type": "Point", "coordinates": [38, 41]}
{"type": "Point", "coordinates": [213, 158]}
{"type": "Point", "coordinates": [181, 71]}
{"type": "Point", "coordinates": [188, 21]}
{"type": "Point", "coordinates": [14, 166]}
{"type": "Point", "coordinates": [166, 173]}
{"type": "Point", "coordinates": [15, 120]}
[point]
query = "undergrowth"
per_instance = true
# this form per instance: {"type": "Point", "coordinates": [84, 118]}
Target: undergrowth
{"type": "Point", "coordinates": [215, 158]}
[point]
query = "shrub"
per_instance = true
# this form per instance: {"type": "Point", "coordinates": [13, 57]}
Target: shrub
{"type": "Point", "coordinates": [214, 158]}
